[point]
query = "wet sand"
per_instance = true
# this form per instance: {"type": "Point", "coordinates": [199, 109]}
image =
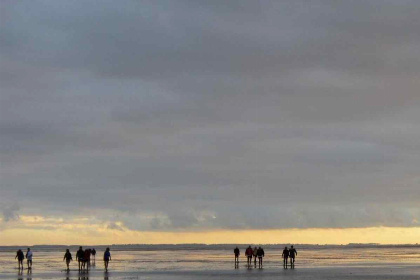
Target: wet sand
{"type": "Point", "coordinates": [200, 263]}
{"type": "Point", "coordinates": [365, 273]}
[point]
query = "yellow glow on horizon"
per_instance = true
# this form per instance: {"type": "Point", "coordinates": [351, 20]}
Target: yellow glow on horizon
{"type": "Point", "coordinates": [96, 235]}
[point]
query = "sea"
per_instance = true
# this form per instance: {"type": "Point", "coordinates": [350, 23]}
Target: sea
{"type": "Point", "coordinates": [199, 261]}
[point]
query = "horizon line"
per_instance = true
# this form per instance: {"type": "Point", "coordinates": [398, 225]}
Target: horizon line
{"type": "Point", "coordinates": [215, 244]}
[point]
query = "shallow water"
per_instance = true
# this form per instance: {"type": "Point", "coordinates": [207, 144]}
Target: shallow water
{"type": "Point", "coordinates": [311, 263]}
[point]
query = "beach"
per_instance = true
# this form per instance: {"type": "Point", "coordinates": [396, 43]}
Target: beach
{"type": "Point", "coordinates": [207, 262]}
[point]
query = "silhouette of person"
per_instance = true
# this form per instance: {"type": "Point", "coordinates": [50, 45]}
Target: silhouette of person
{"type": "Point", "coordinates": [20, 257]}
{"type": "Point", "coordinates": [93, 254]}
{"type": "Point", "coordinates": [68, 258]}
{"type": "Point", "coordinates": [260, 254]}
{"type": "Point", "coordinates": [29, 258]}
{"type": "Point", "coordinates": [236, 252]}
{"type": "Point", "coordinates": [285, 255]}
{"type": "Point", "coordinates": [79, 257]}
{"type": "Point", "coordinates": [248, 254]}
{"type": "Point", "coordinates": [107, 258]}
{"type": "Point", "coordinates": [86, 259]}
{"type": "Point", "coordinates": [254, 253]}
{"type": "Point", "coordinates": [292, 254]}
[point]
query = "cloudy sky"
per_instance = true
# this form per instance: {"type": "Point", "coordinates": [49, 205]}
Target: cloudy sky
{"type": "Point", "coordinates": [208, 116]}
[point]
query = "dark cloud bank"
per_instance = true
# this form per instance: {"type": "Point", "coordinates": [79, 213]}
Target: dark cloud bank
{"type": "Point", "coordinates": [212, 114]}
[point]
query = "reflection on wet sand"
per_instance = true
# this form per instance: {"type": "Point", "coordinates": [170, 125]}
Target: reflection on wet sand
{"type": "Point", "coordinates": [22, 277]}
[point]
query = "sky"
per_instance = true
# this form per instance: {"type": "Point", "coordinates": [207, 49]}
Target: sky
{"type": "Point", "coordinates": [209, 121]}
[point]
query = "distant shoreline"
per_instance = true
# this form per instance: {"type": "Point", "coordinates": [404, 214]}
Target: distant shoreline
{"type": "Point", "coordinates": [119, 247]}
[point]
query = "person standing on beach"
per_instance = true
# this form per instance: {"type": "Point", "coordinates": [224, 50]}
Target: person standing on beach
{"type": "Point", "coordinates": [236, 252]}
{"type": "Point", "coordinates": [86, 259]}
{"type": "Point", "coordinates": [260, 254]}
{"type": "Point", "coordinates": [93, 254]}
{"type": "Point", "coordinates": [79, 257]}
{"type": "Point", "coordinates": [254, 253]}
{"type": "Point", "coordinates": [107, 258]}
{"type": "Point", "coordinates": [248, 254]}
{"type": "Point", "coordinates": [68, 258]}
{"type": "Point", "coordinates": [29, 258]}
{"type": "Point", "coordinates": [292, 254]}
{"type": "Point", "coordinates": [285, 255]}
{"type": "Point", "coordinates": [20, 257]}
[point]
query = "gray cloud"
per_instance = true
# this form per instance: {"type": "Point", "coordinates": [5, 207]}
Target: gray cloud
{"type": "Point", "coordinates": [10, 212]}
{"type": "Point", "coordinates": [115, 226]}
{"type": "Point", "coordinates": [200, 115]}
